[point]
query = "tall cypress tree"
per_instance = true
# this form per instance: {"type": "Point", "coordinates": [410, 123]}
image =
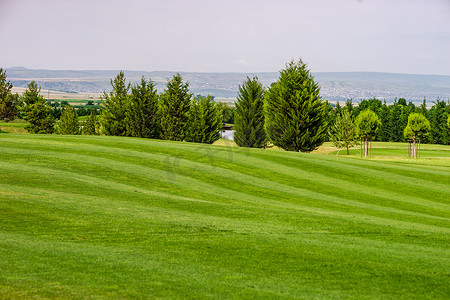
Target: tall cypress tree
{"type": "Point", "coordinates": [249, 117]}
{"type": "Point", "coordinates": [174, 108]}
{"type": "Point", "coordinates": [142, 110]}
{"type": "Point", "coordinates": [205, 121]}
{"type": "Point", "coordinates": [438, 119]}
{"type": "Point", "coordinates": [295, 115]}
{"type": "Point", "coordinates": [113, 118]}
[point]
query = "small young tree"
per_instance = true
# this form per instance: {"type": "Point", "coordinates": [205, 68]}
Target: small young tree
{"type": "Point", "coordinates": [68, 124]}
{"type": "Point", "coordinates": [174, 109]}
{"type": "Point", "coordinates": [37, 111]}
{"type": "Point", "coordinates": [113, 118]}
{"type": "Point", "coordinates": [367, 125]}
{"type": "Point", "coordinates": [249, 118]}
{"type": "Point", "coordinates": [418, 126]}
{"type": "Point", "coordinates": [90, 126]}
{"type": "Point", "coordinates": [142, 110]}
{"type": "Point", "coordinates": [205, 121]}
{"type": "Point", "coordinates": [343, 132]}
{"type": "Point", "coordinates": [295, 115]}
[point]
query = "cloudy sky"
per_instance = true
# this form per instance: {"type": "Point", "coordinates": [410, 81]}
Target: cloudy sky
{"type": "Point", "coordinates": [401, 36]}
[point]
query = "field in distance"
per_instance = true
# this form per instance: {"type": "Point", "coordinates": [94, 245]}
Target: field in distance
{"type": "Point", "coordinates": [112, 217]}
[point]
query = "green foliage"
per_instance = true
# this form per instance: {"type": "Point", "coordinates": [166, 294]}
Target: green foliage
{"type": "Point", "coordinates": [142, 118]}
{"type": "Point", "coordinates": [343, 133]}
{"type": "Point", "coordinates": [394, 128]}
{"type": "Point", "coordinates": [249, 118]}
{"type": "Point", "coordinates": [205, 121]}
{"type": "Point", "coordinates": [37, 111]}
{"type": "Point", "coordinates": [438, 121]}
{"type": "Point", "coordinates": [174, 109]}
{"type": "Point", "coordinates": [226, 111]}
{"type": "Point", "coordinates": [68, 124]}
{"type": "Point", "coordinates": [9, 103]}
{"type": "Point", "coordinates": [367, 124]}
{"type": "Point", "coordinates": [418, 126]}
{"type": "Point", "coordinates": [113, 117]}
{"type": "Point", "coordinates": [40, 119]}
{"type": "Point", "coordinates": [295, 115]}
{"type": "Point", "coordinates": [32, 95]}
{"type": "Point", "coordinates": [91, 124]}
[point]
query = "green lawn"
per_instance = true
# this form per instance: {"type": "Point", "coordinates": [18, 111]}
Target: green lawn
{"type": "Point", "coordinates": [111, 217]}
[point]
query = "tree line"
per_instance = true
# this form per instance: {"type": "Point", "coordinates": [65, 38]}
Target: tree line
{"type": "Point", "coordinates": [289, 114]}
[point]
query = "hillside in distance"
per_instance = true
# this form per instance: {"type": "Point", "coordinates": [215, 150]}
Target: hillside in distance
{"type": "Point", "coordinates": [335, 86]}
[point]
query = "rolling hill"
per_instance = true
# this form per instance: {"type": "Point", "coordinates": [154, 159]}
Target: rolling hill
{"type": "Point", "coordinates": [334, 86]}
{"type": "Point", "coordinates": [111, 217]}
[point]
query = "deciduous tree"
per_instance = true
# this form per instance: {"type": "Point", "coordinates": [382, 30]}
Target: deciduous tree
{"type": "Point", "coordinates": [343, 133]}
{"type": "Point", "coordinates": [367, 125]}
{"type": "Point", "coordinates": [417, 127]}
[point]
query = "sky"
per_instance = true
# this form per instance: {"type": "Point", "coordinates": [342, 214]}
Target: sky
{"type": "Point", "coordinates": [397, 36]}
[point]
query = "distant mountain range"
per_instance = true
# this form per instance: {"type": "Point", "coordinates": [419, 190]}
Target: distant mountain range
{"type": "Point", "coordinates": [335, 86]}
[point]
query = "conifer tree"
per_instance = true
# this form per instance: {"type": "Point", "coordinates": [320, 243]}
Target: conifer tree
{"type": "Point", "coordinates": [9, 103]}
{"type": "Point", "coordinates": [394, 126]}
{"type": "Point", "coordinates": [174, 108]}
{"type": "Point", "coordinates": [37, 111]}
{"type": "Point", "coordinates": [295, 115]}
{"type": "Point", "coordinates": [90, 126]}
{"type": "Point", "coordinates": [367, 125]}
{"type": "Point", "coordinates": [142, 120]}
{"type": "Point", "coordinates": [205, 121]}
{"type": "Point", "coordinates": [249, 117]}
{"type": "Point", "coordinates": [343, 132]}
{"type": "Point", "coordinates": [68, 124]}
{"type": "Point", "coordinates": [438, 120]}
{"type": "Point", "coordinates": [113, 117]}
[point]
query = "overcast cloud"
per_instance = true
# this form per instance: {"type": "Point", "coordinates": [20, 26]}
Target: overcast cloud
{"type": "Point", "coordinates": [401, 36]}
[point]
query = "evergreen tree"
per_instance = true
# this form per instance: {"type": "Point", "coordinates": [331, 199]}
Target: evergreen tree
{"type": "Point", "coordinates": [423, 107]}
{"type": "Point", "coordinates": [90, 125]}
{"type": "Point", "coordinates": [174, 109]}
{"type": "Point", "coordinates": [367, 125]}
{"type": "Point", "coordinates": [142, 110]}
{"type": "Point", "coordinates": [383, 113]}
{"type": "Point", "coordinates": [394, 130]}
{"type": "Point", "coordinates": [295, 115]}
{"type": "Point", "coordinates": [438, 120]}
{"type": "Point", "coordinates": [342, 132]}
{"type": "Point", "coordinates": [9, 103]}
{"type": "Point", "coordinates": [113, 117]}
{"type": "Point", "coordinates": [37, 111]}
{"type": "Point", "coordinates": [249, 118]}
{"type": "Point", "coordinates": [205, 121]}
{"type": "Point", "coordinates": [68, 124]}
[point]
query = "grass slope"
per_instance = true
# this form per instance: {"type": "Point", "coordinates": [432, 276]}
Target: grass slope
{"type": "Point", "coordinates": [114, 217]}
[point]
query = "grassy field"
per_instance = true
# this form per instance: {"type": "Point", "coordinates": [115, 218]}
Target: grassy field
{"type": "Point", "coordinates": [111, 217]}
